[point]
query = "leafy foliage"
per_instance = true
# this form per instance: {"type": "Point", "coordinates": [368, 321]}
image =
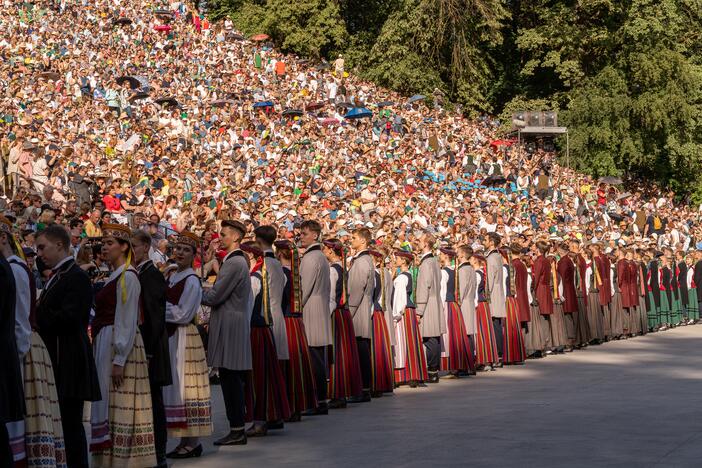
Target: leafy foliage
{"type": "Point", "coordinates": [626, 75]}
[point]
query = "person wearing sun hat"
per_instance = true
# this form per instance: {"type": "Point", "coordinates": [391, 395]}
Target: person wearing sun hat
{"type": "Point", "coordinates": [188, 398]}
{"type": "Point", "coordinates": [122, 427]}
{"type": "Point", "coordinates": [42, 432]}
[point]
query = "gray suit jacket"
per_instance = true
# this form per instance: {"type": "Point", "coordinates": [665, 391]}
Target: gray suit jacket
{"type": "Point", "coordinates": [388, 295]}
{"type": "Point", "coordinates": [315, 286]}
{"type": "Point", "coordinates": [467, 285]}
{"type": "Point", "coordinates": [360, 284]}
{"type": "Point", "coordinates": [495, 278]}
{"type": "Point", "coordinates": [231, 300]}
{"type": "Point", "coordinates": [276, 285]}
{"type": "Point", "coordinates": [430, 305]}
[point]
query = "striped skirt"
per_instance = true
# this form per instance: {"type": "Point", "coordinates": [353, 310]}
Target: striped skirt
{"type": "Point", "coordinates": [558, 328]}
{"type": "Point", "coordinates": [43, 432]}
{"type": "Point", "coordinates": [192, 387]}
{"type": "Point", "coordinates": [666, 308]}
{"type": "Point", "coordinates": [301, 390]}
{"type": "Point", "coordinates": [410, 360]}
{"type": "Point", "coordinates": [345, 372]}
{"type": "Point", "coordinates": [122, 424]}
{"type": "Point", "coordinates": [486, 347]}
{"type": "Point", "coordinates": [381, 355]}
{"type": "Point", "coordinates": [457, 355]}
{"type": "Point", "coordinates": [266, 396]}
{"type": "Point", "coordinates": [693, 310]}
{"type": "Point", "coordinates": [594, 316]}
{"type": "Point", "coordinates": [677, 311]}
{"type": "Point", "coordinates": [514, 351]}
{"type": "Point", "coordinates": [654, 312]}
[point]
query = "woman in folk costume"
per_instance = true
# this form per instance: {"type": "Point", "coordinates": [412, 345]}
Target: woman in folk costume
{"type": "Point", "coordinates": [537, 334]}
{"type": "Point", "coordinates": [593, 280]}
{"type": "Point", "coordinates": [38, 440]}
{"type": "Point", "coordinates": [187, 399]}
{"type": "Point", "coordinates": [654, 292]}
{"type": "Point", "coordinates": [266, 396]}
{"type": "Point", "coordinates": [559, 340]}
{"type": "Point", "coordinates": [514, 351]}
{"type": "Point", "coordinates": [665, 280]}
{"type": "Point", "coordinates": [410, 361]}
{"type": "Point", "coordinates": [301, 391]}
{"type": "Point", "coordinates": [345, 372]}
{"type": "Point", "coordinates": [456, 355]}
{"type": "Point", "coordinates": [693, 311]}
{"type": "Point", "coordinates": [544, 283]}
{"type": "Point", "coordinates": [620, 296]}
{"type": "Point", "coordinates": [485, 345]}
{"type": "Point", "coordinates": [122, 427]}
{"type": "Point", "coordinates": [638, 266]}
{"type": "Point", "coordinates": [381, 349]}
{"type": "Point", "coordinates": [583, 328]}
{"type": "Point", "coordinates": [676, 303]}
{"type": "Point", "coordinates": [634, 284]}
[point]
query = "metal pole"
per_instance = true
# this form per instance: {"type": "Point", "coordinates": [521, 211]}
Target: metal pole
{"type": "Point", "coordinates": [567, 149]}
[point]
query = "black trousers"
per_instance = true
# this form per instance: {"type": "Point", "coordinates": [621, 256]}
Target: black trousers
{"type": "Point", "coordinates": [5, 452]}
{"type": "Point", "coordinates": [160, 430]}
{"type": "Point", "coordinates": [364, 358]}
{"type": "Point", "coordinates": [232, 383]}
{"type": "Point", "coordinates": [73, 432]}
{"type": "Point", "coordinates": [318, 355]}
{"type": "Point", "coordinates": [499, 335]}
{"type": "Point", "coordinates": [432, 344]}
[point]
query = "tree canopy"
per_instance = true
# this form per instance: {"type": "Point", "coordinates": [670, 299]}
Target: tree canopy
{"type": "Point", "coordinates": [625, 75]}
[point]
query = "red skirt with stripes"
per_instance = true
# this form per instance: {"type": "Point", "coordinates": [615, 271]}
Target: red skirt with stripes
{"type": "Point", "coordinates": [460, 355]}
{"type": "Point", "coordinates": [514, 351]}
{"type": "Point", "coordinates": [415, 359]}
{"type": "Point", "coordinates": [266, 396]}
{"type": "Point", "coordinates": [485, 344]}
{"type": "Point", "coordinates": [381, 355]}
{"type": "Point", "coordinates": [345, 372]}
{"type": "Point", "coordinates": [301, 390]}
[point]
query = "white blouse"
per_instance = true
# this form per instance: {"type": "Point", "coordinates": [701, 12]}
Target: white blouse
{"type": "Point", "coordinates": [126, 314]}
{"type": "Point", "coordinates": [189, 303]}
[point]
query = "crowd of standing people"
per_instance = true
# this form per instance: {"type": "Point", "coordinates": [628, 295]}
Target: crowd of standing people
{"type": "Point", "coordinates": [184, 207]}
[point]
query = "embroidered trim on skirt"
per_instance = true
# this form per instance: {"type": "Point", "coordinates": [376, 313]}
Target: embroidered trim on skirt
{"type": "Point", "coordinates": [122, 422]}
{"type": "Point", "coordinates": [381, 355]}
{"type": "Point", "coordinates": [456, 352]}
{"type": "Point", "coordinates": [693, 310]}
{"type": "Point", "coordinates": [194, 381]}
{"type": "Point", "coordinates": [345, 372]}
{"type": "Point", "coordinates": [300, 383]}
{"type": "Point", "coordinates": [409, 351]}
{"type": "Point", "coordinates": [43, 430]}
{"type": "Point", "coordinates": [266, 396]}
{"type": "Point", "coordinates": [515, 351]}
{"type": "Point", "coordinates": [485, 344]}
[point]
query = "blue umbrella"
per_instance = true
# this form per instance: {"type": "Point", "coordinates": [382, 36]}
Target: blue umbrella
{"type": "Point", "coordinates": [263, 104]}
{"type": "Point", "coordinates": [358, 113]}
{"type": "Point", "coordinates": [415, 98]}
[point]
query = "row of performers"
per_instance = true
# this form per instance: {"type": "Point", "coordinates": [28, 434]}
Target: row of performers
{"type": "Point", "coordinates": [292, 333]}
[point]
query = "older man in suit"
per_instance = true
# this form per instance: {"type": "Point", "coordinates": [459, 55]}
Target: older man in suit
{"type": "Point", "coordinates": [495, 280]}
{"type": "Point", "coordinates": [360, 285]}
{"type": "Point", "coordinates": [63, 313]}
{"type": "Point", "coordinates": [229, 347]}
{"type": "Point", "coordinates": [430, 307]}
{"type": "Point", "coordinates": [315, 286]}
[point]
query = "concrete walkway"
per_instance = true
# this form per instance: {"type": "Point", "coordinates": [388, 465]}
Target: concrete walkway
{"type": "Point", "coordinates": [636, 402]}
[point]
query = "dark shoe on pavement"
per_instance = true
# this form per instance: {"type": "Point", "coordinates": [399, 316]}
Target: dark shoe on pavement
{"type": "Point", "coordinates": [233, 438]}
{"type": "Point", "coordinates": [337, 404]}
{"type": "Point", "coordinates": [257, 431]}
{"type": "Point", "coordinates": [275, 425]}
{"type": "Point", "coordinates": [295, 417]}
{"type": "Point", "coordinates": [186, 452]}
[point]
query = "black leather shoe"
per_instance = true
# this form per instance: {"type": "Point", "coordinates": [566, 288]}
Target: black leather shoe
{"type": "Point", "coordinates": [364, 398]}
{"type": "Point", "coordinates": [257, 431]}
{"type": "Point", "coordinates": [183, 452]}
{"type": "Point", "coordinates": [433, 377]}
{"type": "Point", "coordinates": [413, 384]}
{"type": "Point", "coordinates": [275, 425]}
{"type": "Point", "coordinates": [295, 417]}
{"type": "Point", "coordinates": [376, 394]}
{"type": "Point", "coordinates": [337, 404]}
{"type": "Point", "coordinates": [233, 438]}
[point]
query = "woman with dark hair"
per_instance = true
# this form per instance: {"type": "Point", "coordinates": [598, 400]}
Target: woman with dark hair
{"type": "Point", "coordinates": [122, 427]}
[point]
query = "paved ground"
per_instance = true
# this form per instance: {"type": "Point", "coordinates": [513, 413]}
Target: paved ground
{"type": "Point", "coordinates": [627, 403]}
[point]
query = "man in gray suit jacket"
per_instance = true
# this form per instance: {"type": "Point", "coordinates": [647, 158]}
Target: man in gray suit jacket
{"type": "Point", "coordinates": [229, 345]}
{"type": "Point", "coordinates": [315, 286]}
{"type": "Point", "coordinates": [467, 286]}
{"type": "Point", "coordinates": [265, 237]}
{"type": "Point", "coordinates": [360, 285]}
{"type": "Point", "coordinates": [495, 283]}
{"type": "Point", "coordinates": [430, 307]}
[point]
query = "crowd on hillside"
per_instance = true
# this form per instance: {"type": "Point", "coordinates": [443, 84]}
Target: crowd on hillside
{"type": "Point", "coordinates": [376, 239]}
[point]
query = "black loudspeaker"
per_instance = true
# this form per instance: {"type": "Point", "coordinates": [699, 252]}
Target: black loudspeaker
{"type": "Point", "coordinates": [534, 119]}
{"type": "Point", "coordinates": [550, 119]}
